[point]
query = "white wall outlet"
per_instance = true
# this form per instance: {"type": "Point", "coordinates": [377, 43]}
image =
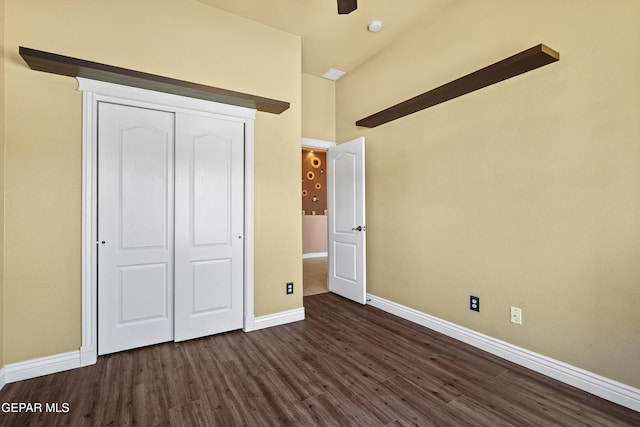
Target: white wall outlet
{"type": "Point", "coordinates": [516, 315]}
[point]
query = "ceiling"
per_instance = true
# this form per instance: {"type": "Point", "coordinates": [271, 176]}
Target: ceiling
{"type": "Point", "coordinates": [330, 40]}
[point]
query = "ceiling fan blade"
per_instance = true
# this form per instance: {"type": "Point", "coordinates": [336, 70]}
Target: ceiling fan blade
{"type": "Point", "coordinates": [347, 6]}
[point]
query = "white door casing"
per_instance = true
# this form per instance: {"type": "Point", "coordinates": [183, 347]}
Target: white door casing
{"type": "Point", "coordinates": [208, 254]}
{"type": "Point", "coordinates": [95, 92]}
{"type": "Point", "coordinates": [347, 220]}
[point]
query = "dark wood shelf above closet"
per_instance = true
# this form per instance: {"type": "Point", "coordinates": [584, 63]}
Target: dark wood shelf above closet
{"type": "Point", "coordinates": [68, 66]}
{"type": "Point", "coordinates": [520, 63]}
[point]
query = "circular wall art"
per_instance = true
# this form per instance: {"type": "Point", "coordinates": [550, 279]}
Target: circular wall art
{"type": "Point", "coordinates": [318, 186]}
{"type": "Point", "coordinates": [310, 175]}
{"type": "Point", "coordinates": [304, 193]}
{"type": "Point", "coordinates": [316, 162]}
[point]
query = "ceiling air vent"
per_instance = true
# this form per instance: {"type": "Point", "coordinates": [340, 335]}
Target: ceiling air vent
{"type": "Point", "coordinates": [332, 74]}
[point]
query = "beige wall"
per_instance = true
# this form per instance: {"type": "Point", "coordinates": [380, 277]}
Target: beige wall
{"type": "Point", "coordinates": [278, 221]}
{"type": "Point", "coordinates": [182, 39]}
{"type": "Point", "coordinates": [314, 234]}
{"type": "Point", "coordinates": [318, 108]}
{"type": "Point", "coordinates": [2, 184]}
{"type": "Point", "coordinates": [526, 193]}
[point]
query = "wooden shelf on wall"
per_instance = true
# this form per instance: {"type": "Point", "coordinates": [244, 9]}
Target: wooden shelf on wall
{"type": "Point", "coordinates": [520, 63]}
{"type": "Point", "coordinates": [68, 66]}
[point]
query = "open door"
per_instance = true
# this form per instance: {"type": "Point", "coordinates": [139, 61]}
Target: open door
{"type": "Point", "coordinates": [347, 225]}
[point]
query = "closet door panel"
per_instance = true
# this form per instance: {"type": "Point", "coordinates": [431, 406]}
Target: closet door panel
{"type": "Point", "coordinates": [211, 183]}
{"type": "Point", "coordinates": [211, 285]}
{"type": "Point", "coordinates": [209, 226]}
{"type": "Point", "coordinates": [145, 163]}
{"type": "Point", "coordinates": [135, 227]}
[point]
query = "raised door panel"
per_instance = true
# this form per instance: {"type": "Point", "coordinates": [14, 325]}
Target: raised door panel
{"type": "Point", "coordinates": [211, 286]}
{"type": "Point", "coordinates": [144, 173]}
{"type": "Point", "coordinates": [344, 170]}
{"type": "Point", "coordinates": [211, 183]}
{"type": "Point", "coordinates": [148, 283]}
{"type": "Point", "coordinates": [346, 267]}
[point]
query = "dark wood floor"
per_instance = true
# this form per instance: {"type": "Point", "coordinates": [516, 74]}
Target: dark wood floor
{"type": "Point", "coordinates": [345, 365]}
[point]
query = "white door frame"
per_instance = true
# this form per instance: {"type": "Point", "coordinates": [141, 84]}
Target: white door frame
{"type": "Point", "coordinates": [317, 144]}
{"type": "Point", "coordinates": [96, 91]}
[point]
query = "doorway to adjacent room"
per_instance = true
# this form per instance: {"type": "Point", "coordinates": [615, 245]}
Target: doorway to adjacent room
{"type": "Point", "coordinates": [341, 230]}
{"type": "Point", "coordinates": [314, 215]}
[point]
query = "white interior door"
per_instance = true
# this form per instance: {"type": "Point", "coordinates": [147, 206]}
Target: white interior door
{"type": "Point", "coordinates": [135, 227]}
{"type": "Point", "coordinates": [347, 225]}
{"type": "Point", "coordinates": [209, 226]}
{"type": "Point", "coordinates": [170, 226]}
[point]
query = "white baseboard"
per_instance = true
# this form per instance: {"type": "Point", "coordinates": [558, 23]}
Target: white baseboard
{"type": "Point", "coordinates": [88, 355]}
{"type": "Point", "coordinates": [42, 366]}
{"type": "Point", "coordinates": [3, 379]}
{"type": "Point", "coordinates": [276, 319]}
{"type": "Point", "coordinates": [598, 385]}
{"type": "Point", "coordinates": [315, 255]}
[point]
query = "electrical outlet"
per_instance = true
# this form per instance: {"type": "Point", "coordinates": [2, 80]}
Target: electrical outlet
{"type": "Point", "coordinates": [289, 288]}
{"type": "Point", "coordinates": [474, 303]}
{"type": "Point", "coordinates": [516, 315]}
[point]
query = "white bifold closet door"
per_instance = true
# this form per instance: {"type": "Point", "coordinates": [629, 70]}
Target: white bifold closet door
{"type": "Point", "coordinates": [170, 221]}
{"type": "Point", "coordinates": [208, 227]}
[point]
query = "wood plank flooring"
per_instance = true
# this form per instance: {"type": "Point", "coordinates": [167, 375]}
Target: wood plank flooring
{"type": "Point", "coordinates": [345, 365]}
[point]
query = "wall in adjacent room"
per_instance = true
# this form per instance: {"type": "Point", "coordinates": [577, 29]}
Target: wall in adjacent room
{"type": "Point", "coordinates": [182, 39]}
{"type": "Point", "coordinates": [314, 182]}
{"type": "Point", "coordinates": [525, 193]}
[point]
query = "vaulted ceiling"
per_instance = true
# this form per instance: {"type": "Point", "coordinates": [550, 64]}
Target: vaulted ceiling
{"type": "Point", "coordinates": [336, 41]}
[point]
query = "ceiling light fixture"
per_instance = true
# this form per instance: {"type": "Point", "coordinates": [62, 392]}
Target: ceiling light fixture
{"type": "Point", "coordinates": [332, 74]}
{"type": "Point", "coordinates": [375, 26]}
